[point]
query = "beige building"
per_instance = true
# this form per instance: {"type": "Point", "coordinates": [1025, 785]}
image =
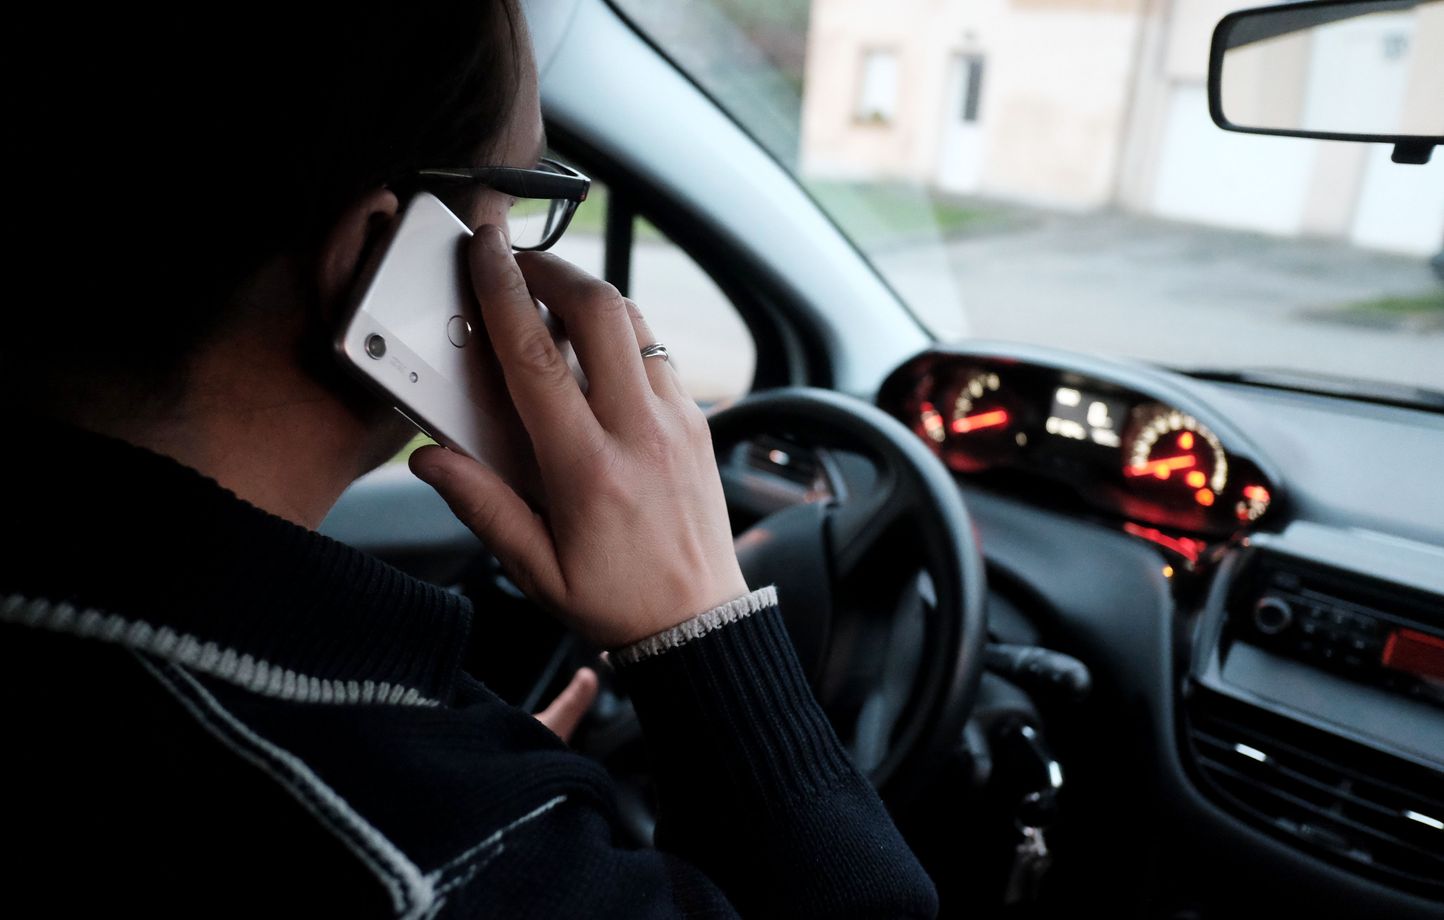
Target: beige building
{"type": "Point", "coordinates": [1081, 104]}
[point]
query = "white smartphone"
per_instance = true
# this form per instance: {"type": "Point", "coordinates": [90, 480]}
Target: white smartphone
{"type": "Point", "coordinates": [414, 334]}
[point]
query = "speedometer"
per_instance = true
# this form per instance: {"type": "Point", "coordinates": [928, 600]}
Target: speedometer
{"type": "Point", "coordinates": [1176, 451]}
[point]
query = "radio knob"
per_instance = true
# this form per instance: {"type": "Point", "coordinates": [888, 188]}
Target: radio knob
{"type": "Point", "coordinates": [1272, 615]}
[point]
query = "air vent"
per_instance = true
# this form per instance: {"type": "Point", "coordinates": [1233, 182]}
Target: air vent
{"type": "Point", "coordinates": [1348, 803]}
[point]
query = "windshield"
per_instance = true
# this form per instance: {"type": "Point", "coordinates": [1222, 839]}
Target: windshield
{"type": "Point", "coordinates": [1046, 171]}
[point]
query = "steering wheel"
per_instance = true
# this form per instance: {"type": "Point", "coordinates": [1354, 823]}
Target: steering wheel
{"type": "Point", "coordinates": [880, 580]}
{"type": "Point", "coordinates": [879, 576]}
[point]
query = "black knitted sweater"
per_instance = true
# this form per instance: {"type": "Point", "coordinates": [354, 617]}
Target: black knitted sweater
{"type": "Point", "coordinates": [211, 711]}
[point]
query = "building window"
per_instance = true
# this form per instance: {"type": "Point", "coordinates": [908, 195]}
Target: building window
{"type": "Point", "coordinates": [972, 88]}
{"type": "Point", "coordinates": [877, 91]}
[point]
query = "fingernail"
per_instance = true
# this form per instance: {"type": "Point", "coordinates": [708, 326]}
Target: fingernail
{"type": "Point", "coordinates": [428, 466]}
{"type": "Point", "coordinates": [494, 240]}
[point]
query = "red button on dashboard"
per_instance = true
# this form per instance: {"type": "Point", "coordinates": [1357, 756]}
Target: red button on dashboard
{"type": "Point", "coordinates": [1415, 653]}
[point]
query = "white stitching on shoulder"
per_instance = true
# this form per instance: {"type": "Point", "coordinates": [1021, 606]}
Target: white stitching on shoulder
{"type": "Point", "coordinates": [495, 842]}
{"type": "Point", "coordinates": [207, 658]}
{"type": "Point", "coordinates": [470, 873]}
{"type": "Point", "coordinates": [412, 894]}
{"type": "Point", "coordinates": [496, 837]}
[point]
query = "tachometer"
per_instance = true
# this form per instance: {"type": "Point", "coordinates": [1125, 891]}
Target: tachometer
{"type": "Point", "coordinates": [981, 421]}
{"type": "Point", "coordinates": [1176, 451]}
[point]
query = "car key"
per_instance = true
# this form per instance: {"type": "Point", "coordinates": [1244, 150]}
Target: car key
{"type": "Point", "coordinates": [1031, 861]}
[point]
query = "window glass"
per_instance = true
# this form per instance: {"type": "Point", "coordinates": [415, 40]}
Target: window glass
{"type": "Point", "coordinates": [877, 91]}
{"type": "Point", "coordinates": [1046, 171]}
{"type": "Point", "coordinates": [972, 87]}
{"type": "Point", "coordinates": [707, 342]}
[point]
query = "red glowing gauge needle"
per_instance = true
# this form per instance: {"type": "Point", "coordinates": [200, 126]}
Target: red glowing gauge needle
{"type": "Point", "coordinates": [981, 420]}
{"type": "Point", "coordinates": [1162, 468]}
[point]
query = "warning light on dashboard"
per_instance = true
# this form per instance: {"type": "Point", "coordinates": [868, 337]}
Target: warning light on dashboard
{"type": "Point", "coordinates": [1196, 479]}
{"type": "Point", "coordinates": [1204, 497]}
{"type": "Point", "coordinates": [1185, 440]}
{"type": "Point", "coordinates": [1256, 493]}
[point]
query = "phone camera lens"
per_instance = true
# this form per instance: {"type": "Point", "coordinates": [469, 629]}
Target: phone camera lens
{"type": "Point", "coordinates": [375, 345]}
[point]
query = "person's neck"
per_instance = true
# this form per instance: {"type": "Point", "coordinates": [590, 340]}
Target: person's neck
{"type": "Point", "coordinates": [261, 427]}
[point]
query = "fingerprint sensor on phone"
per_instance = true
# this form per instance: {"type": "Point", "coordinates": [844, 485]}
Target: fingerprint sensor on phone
{"type": "Point", "coordinates": [458, 330]}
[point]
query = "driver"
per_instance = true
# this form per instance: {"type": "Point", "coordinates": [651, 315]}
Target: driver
{"type": "Point", "coordinates": [210, 708]}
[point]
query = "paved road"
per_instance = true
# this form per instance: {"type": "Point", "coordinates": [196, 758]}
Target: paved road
{"type": "Point", "coordinates": [1177, 294]}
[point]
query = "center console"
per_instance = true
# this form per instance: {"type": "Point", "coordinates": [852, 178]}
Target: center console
{"type": "Point", "coordinates": [1314, 705]}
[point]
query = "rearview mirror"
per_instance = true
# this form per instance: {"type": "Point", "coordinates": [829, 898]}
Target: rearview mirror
{"type": "Point", "coordinates": [1359, 70]}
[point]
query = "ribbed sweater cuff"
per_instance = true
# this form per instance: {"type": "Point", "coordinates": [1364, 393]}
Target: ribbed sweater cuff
{"type": "Point", "coordinates": [698, 626]}
{"type": "Point", "coordinates": [731, 708]}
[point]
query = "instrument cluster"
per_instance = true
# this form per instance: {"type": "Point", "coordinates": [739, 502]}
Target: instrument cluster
{"type": "Point", "coordinates": [1117, 447]}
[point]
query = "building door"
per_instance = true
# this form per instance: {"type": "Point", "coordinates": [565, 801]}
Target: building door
{"type": "Point", "coordinates": [960, 156]}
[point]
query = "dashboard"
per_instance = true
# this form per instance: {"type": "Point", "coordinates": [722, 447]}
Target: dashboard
{"type": "Point", "coordinates": [1117, 441]}
{"type": "Point", "coordinates": [1290, 672]}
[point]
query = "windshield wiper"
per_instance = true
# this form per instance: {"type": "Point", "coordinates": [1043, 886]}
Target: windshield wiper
{"type": "Point", "coordinates": [1374, 391]}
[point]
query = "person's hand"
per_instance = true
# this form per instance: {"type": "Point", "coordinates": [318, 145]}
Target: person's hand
{"type": "Point", "coordinates": [635, 539]}
{"type": "Point", "coordinates": [566, 711]}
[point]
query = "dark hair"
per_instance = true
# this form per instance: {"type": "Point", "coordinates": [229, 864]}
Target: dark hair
{"type": "Point", "coordinates": [163, 159]}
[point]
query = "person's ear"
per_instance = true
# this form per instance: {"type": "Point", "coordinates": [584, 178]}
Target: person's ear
{"type": "Point", "coordinates": [349, 246]}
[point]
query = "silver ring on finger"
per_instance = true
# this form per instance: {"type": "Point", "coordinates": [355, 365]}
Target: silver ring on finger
{"type": "Point", "coordinates": [655, 350]}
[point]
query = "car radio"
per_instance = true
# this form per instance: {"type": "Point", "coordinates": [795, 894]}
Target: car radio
{"type": "Point", "coordinates": [1382, 635]}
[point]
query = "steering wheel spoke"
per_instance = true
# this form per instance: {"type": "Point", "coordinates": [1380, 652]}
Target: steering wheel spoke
{"type": "Point", "coordinates": [880, 582]}
{"type": "Point", "coordinates": [859, 524]}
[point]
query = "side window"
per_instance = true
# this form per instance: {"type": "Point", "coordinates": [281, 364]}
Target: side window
{"type": "Point", "coordinates": [709, 345]}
